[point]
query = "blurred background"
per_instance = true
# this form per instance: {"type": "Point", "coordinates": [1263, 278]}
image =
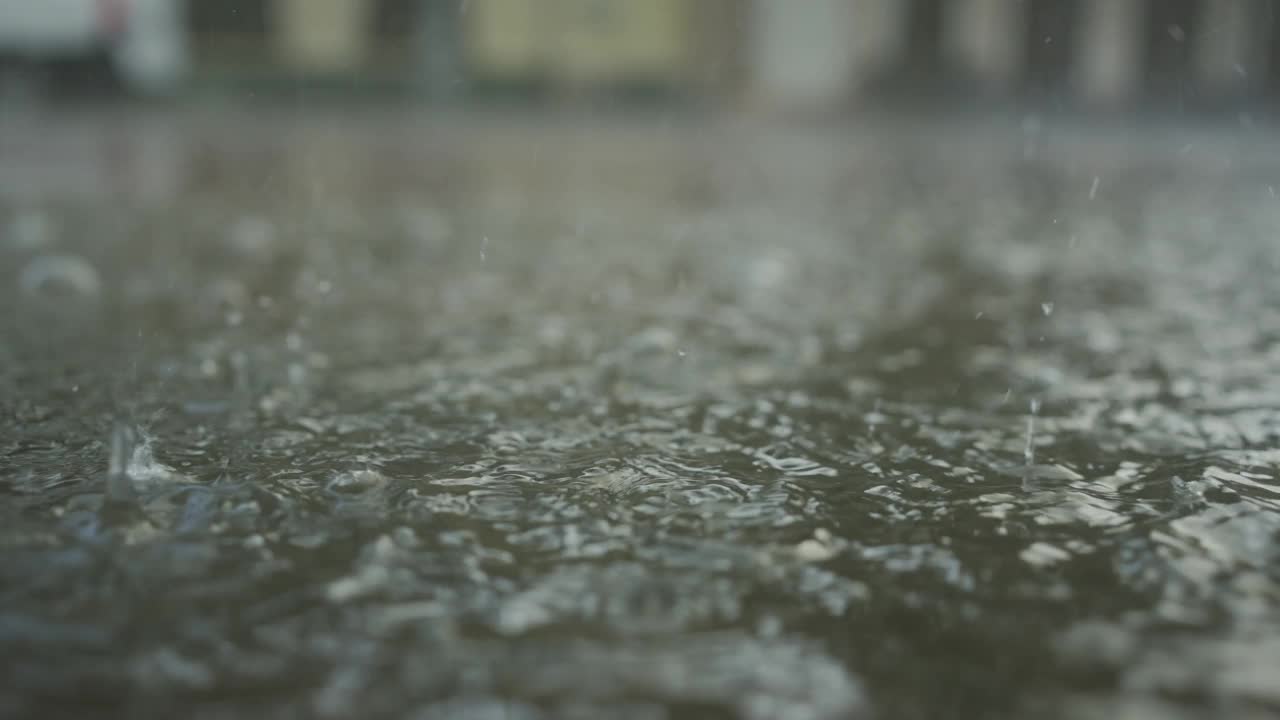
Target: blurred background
{"type": "Point", "coordinates": [114, 96]}
{"type": "Point", "coordinates": [804, 56]}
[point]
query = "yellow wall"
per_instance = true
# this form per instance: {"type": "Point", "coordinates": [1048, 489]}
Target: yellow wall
{"type": "Point", "coordinates": [602, 40]}
{"type": "Point", "coordinates": [502, 38]}
{"type": "Point", "coordinates": [323, 35]}
{"type": "Point", "coordinates": [579, 41]}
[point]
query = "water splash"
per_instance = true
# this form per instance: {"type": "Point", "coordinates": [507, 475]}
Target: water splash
{"type": "Point", "coordinates": [1029, 449]}
{"type": "Point", "coordinates": [60, 276]}
{"type": "Point", "coordinates": [122, 445]}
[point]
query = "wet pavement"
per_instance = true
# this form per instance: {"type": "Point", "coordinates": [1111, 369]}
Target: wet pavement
{"type": "Point", "coordinates": [392, 415]}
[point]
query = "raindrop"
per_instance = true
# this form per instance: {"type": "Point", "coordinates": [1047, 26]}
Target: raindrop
{"type": "Point", "coordinates": [240, 378]}
{"type": "Point", "coordinates": [1093, 189]}
{"type": "Point", "coordinates": [1046, 308]}
{"type": "Point", "coordinates": [119, 484]}
{"type": "Point", "coordinates": [30, 229]}
{"type": "Point", "coordinates": [60, 275]}
{"type": "Point", "coordinates": [122, 442]}
{"type": "Point", "coordinates": [253, 236]}
{"type": "Point", "coordinates": [815, 551]}
{"type": "Point", "coordinates": [769, 626]}
{"type": "Point", "coordinates": [357, 482]}
{"type": "Point", "coordinates": [209, 367]}
{"type": "Point", "coordinates": [1029, 452]}
{"type": "Point", "coordinates": [1042, 554]}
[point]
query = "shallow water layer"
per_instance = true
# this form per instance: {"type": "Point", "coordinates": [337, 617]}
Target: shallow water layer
{"type": "Point", "coordinates": [339, 416]}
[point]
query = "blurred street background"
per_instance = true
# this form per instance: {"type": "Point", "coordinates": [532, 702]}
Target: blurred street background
{"type": "Point", "coordinates": [98, 94]}
{"type": "Point", "coordinates": [812, 55]}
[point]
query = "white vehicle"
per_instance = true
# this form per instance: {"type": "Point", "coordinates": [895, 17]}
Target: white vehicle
{"type": "Point", "coordinates": [145, 40]}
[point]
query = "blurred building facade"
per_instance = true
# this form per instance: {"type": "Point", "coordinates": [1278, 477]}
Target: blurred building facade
{"type": "Point", "coordinates": [774, 54]}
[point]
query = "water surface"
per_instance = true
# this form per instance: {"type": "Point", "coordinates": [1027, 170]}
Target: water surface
{"type": "Point", "coordinates": [336, 416]}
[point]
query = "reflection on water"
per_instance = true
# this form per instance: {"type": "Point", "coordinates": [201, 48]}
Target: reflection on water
{"type": "Point", "coordinates": [360, 416]}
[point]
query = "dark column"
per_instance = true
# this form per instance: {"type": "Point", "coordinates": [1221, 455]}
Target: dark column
{"type": "Point", "coordinates": [1052, 28]}
{"type": "Point", "coordinates": [1271, 16]}
{"type": "Point", "coordinates": [924, 38]}
{"type": "Point", "coordinates": [1168, 70]}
